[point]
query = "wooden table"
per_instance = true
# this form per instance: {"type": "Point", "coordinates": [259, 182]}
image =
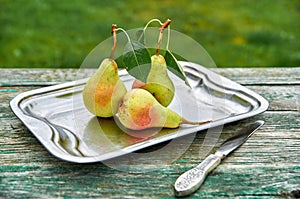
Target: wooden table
{"type": "Point", "coordinates": [266, 166]}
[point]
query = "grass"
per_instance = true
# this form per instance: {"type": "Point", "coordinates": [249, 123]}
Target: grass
{"type": "Point", "coordinates": [236, 33]}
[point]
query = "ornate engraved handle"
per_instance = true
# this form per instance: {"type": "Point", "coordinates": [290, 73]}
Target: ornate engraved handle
{"type": "Point", "coordinates": [192, 179]}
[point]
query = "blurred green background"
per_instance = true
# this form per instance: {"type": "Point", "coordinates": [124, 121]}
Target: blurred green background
{"type": "Point", "coordinates": [236, 33]}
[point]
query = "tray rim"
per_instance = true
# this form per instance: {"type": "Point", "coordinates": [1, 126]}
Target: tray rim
{"type": "Point", "coordinates": [52, 148]}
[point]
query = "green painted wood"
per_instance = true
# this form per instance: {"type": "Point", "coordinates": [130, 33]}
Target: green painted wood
{"type": "Point", "coordinates": [245, 76]}
{"type": "Point", "coordinates": [266, 166]}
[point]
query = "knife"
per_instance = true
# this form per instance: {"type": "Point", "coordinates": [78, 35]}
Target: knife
{"type": "Point", "coordinates": [192, 179]}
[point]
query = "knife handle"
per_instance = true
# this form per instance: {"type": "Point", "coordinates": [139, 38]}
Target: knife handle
{"type": "Point", "coordinates": [192, 179]}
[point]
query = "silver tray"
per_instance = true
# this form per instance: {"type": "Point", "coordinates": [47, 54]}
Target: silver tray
{"type": "Point", "coordinates": [58, 119]}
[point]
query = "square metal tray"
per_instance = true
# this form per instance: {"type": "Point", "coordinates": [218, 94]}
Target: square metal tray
{"type": "Point", "coordinates": [58, 119]}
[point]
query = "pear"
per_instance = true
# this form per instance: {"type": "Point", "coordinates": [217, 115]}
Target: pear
{"type": "Point", "coordinates": [139, 110]}
{"type": "Point", "coordinates": [104, 89]}
{"type": "Point", "coordinates": [158, 82]}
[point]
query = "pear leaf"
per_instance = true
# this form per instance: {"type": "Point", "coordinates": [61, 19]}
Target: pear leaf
{"type": "Point", "coordinates": [137, 60]}
{"type": "Point", "coordinates": [175, 67]}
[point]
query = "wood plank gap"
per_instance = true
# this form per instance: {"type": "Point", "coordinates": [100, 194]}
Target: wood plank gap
{"type": "Point", "coordinates": [285, 111]}
{"type": "Point", "coordinates": [272, 84]}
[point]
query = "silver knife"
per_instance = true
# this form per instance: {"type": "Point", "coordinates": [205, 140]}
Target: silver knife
{"type": "Point", "coordinates": [192, 179]}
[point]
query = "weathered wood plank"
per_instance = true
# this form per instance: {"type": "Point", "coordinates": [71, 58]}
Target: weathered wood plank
{"type": "Point", "coordinates": [280, 97]}
{"type": "Point", "coordinates": [28, 170]}
{"type": "Point", "coordinates": [37, 77]}
{"type": "Point", "coordinates": [248, 76]}
{"type": "Point", "coordinates": [245, 76]}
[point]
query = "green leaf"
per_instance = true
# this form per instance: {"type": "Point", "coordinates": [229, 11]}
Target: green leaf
{"type": "Point", "coordinates": [120, 62]}
{"type": "Point", "coordinates": [175, 67]}
{"type": "Point", "coordinates": [137, 60]}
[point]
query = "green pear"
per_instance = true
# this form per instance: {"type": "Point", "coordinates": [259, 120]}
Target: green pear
{"type": "Point", "coordinates": [158, 82]}
{"type": "Point", "coordinates": [139, 110]}
{"type": "Point", "coordinates": [104, 89]}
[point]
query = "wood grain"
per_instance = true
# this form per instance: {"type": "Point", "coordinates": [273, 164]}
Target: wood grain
{"type": "Point", "coordinates": [266, 166]}
{"type": "Point", "coordinates": [244, 76]}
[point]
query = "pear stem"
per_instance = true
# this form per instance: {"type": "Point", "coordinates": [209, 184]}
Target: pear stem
{"type": "Point", "coordinates": [184, 121]}
{"type": "Point", "coordinates": [165, 25]}
{"type": "Point", "coordinates": [113, 31]}
{"type": "Point", "coordinates": [161, 31]}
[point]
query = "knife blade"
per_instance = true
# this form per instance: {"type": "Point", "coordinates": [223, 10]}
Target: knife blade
{"type": "Point", "coordinates": [188, 182]}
